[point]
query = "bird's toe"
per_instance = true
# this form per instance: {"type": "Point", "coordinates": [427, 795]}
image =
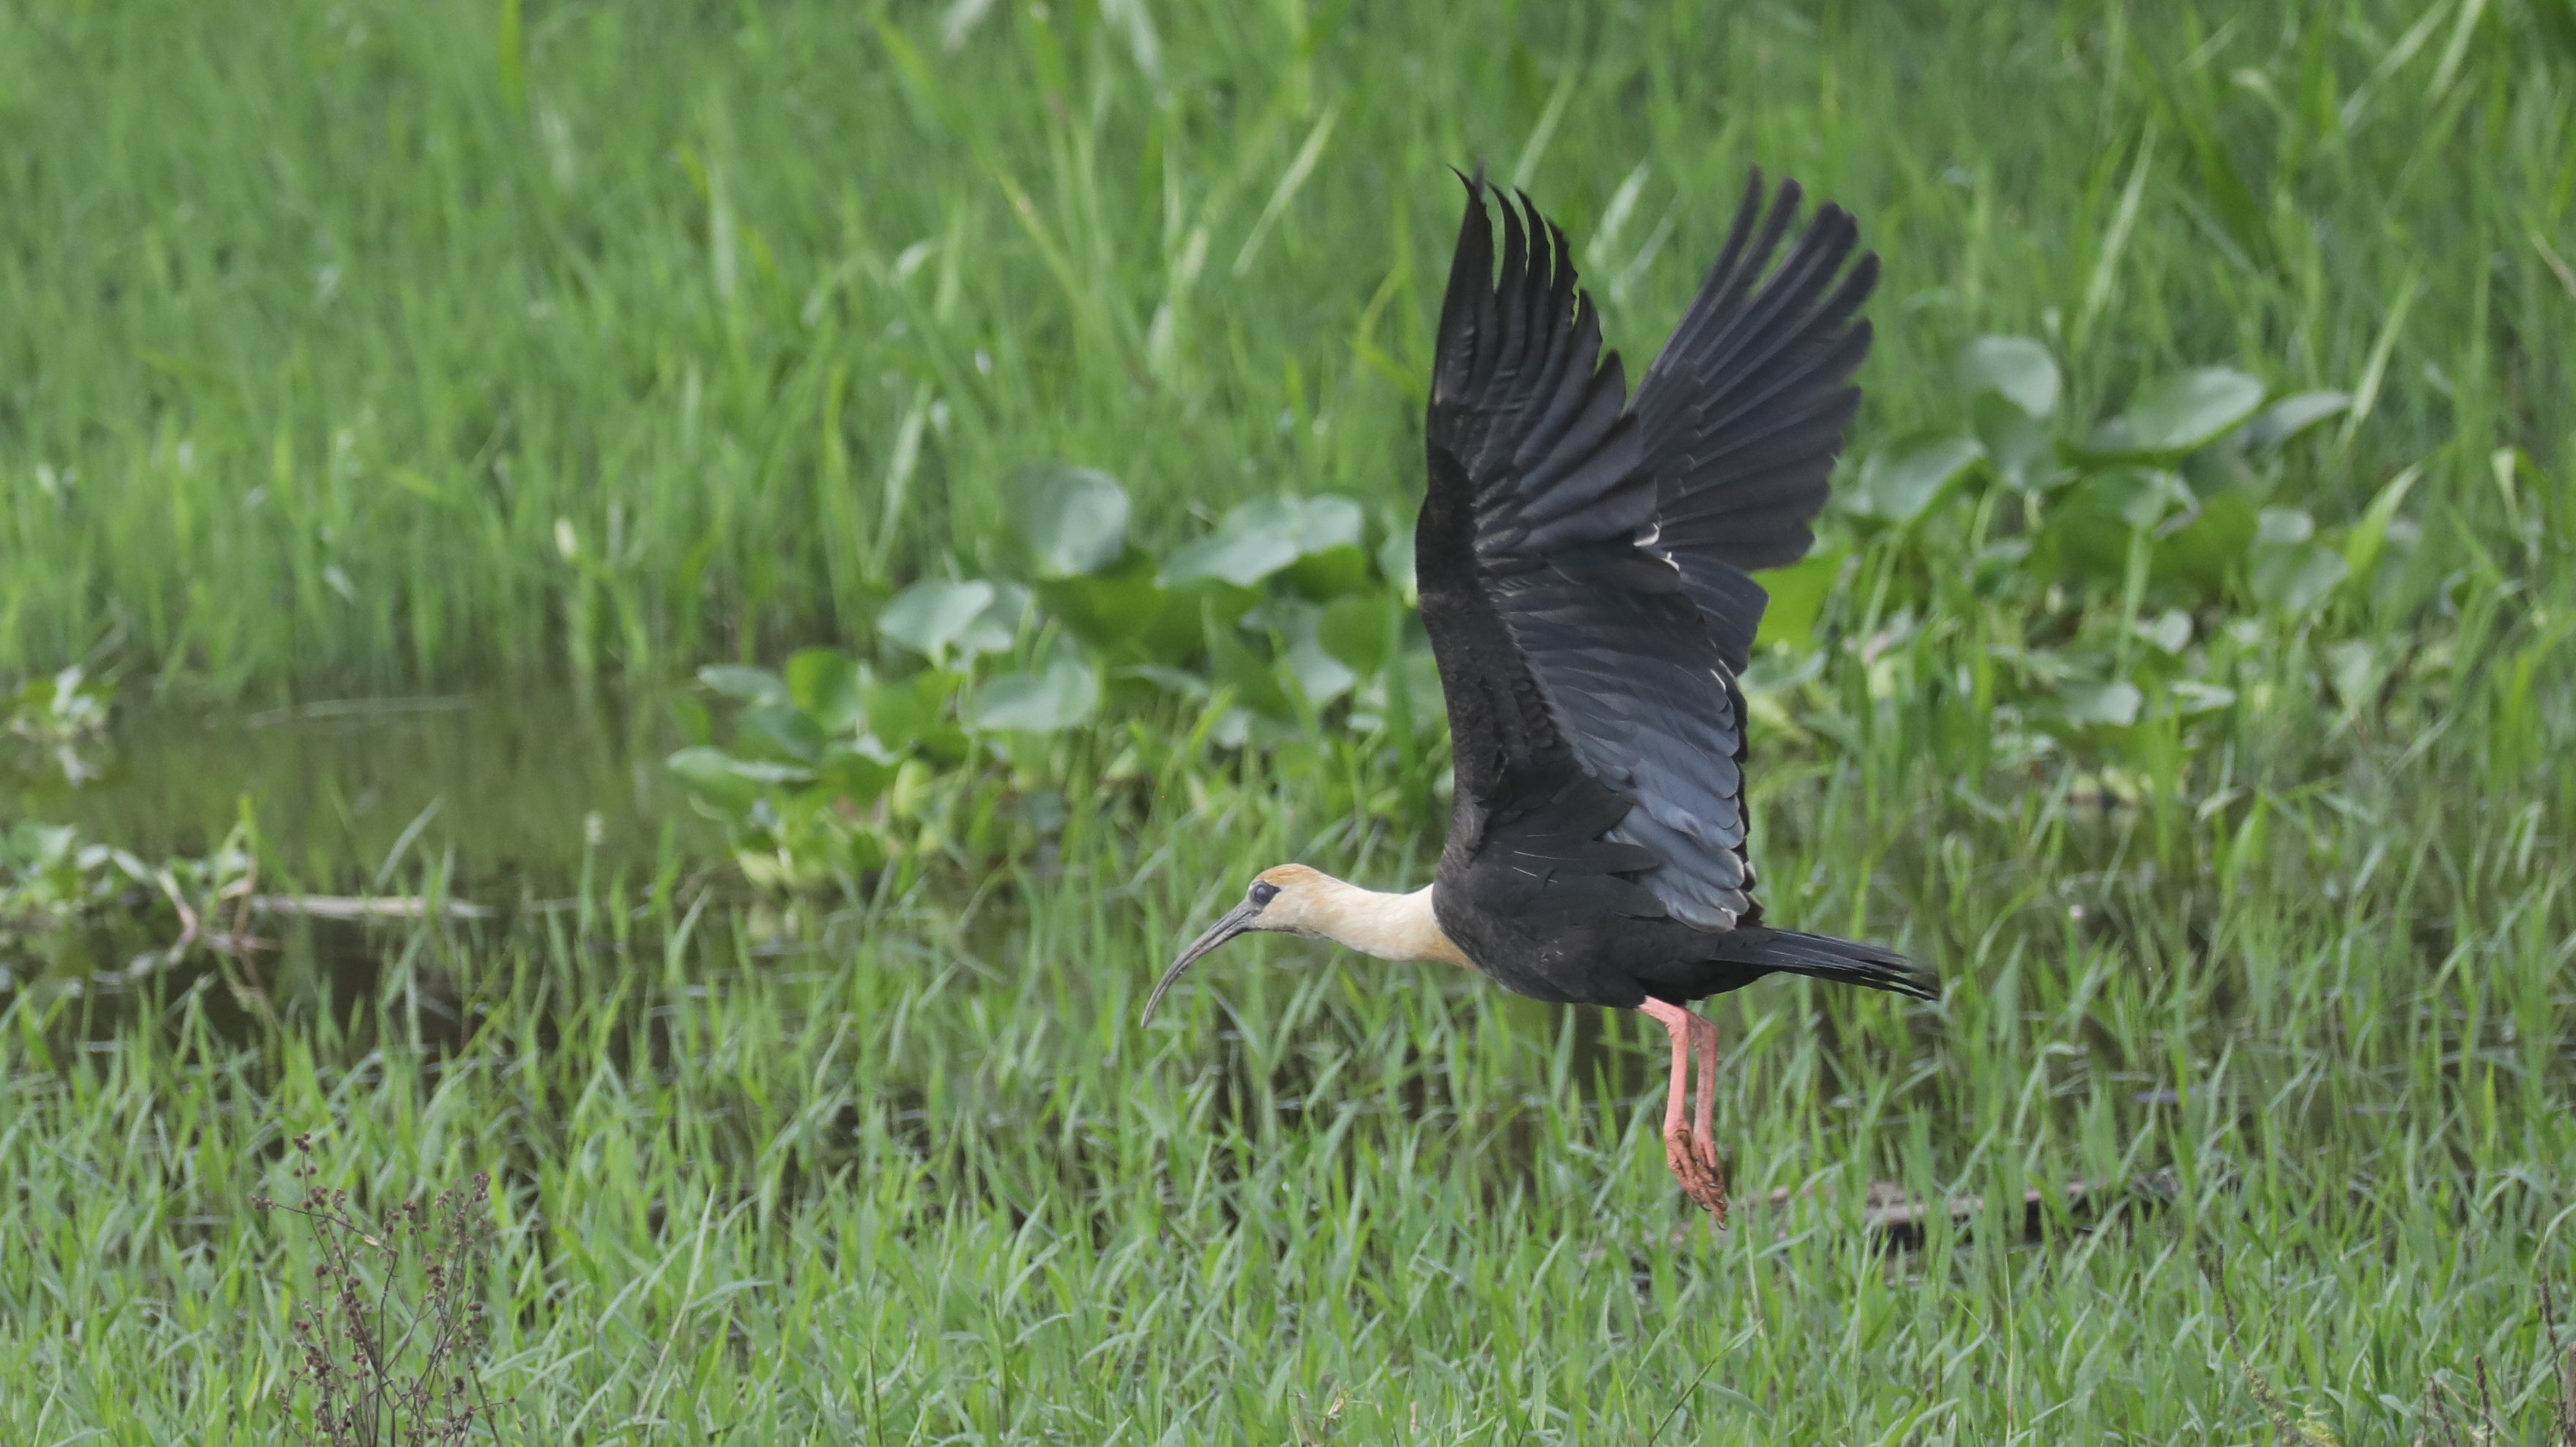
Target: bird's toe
{"type": "Point", "coordinates": [1693, 1163]}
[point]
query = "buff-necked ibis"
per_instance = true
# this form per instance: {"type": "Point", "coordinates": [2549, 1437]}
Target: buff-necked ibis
{"type": "Point", "coordinates": [1585, 562]}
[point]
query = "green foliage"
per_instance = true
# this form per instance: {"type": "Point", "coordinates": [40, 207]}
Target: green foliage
{"type": "Point", "coordinates": [71, 903]}
{"type": "Point", "coordinates": [833, 771]}
{"type": "Point", "coordinates": [60, 720]}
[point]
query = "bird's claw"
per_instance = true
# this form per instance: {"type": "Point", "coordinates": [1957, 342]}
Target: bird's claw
{"type": "Point", "coordinates": [1694, 1163]}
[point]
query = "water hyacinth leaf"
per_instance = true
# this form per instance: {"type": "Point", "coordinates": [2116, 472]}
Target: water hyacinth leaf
{"type": "Point", "coordinates": [1360, 631]}
{"type": "Point", "coordinates": [2142, 497]}
{"type": "Point", "coordinates": [902, 715]}
{"type": "Point", "coordinates": [1900, 482]}
{"type": "Point", "coordinates": [2019, 446]}
{"type": "Point", "coordinates": [1179, 632]}
{"type": "Point", "coordinates": [1180, 683]}
{"type": "Point", "coordinates": [1261, 537]}
{"type": "Point", "coordinates": [2293, 415]}
{"type": "Point", "coordinates": [1236, 666]}
{"type": "Point", "coordinates": [2199, 555]}
{"type": "Point", "coordinates": [1049, 700]}
{"type": "Point", "coordinates": [1320, 676]}
{"type": "Point", "coordinates": [1105, 609]}
{"type": "Point", "coordinates": [2180, 413]}
{"type": "Point", "coordinates": [1073, 519]}
{"type": "Point", "coordinates": [782, 729]}
{"type": "Point", "coordinates": [1332, 572]}
{"type": "Point", "coordinates": [751, 685]}
{"type": "Point", "coordinates": [856, 774]}
{"type": "Point", "coordinates": [2089, 531]}
{"type": "Point", "coordinates": [2296, 579]}
{"type": "Point", "coordinates": [715, 776]}
{"type": "Point", "coordinates": [1798, 593]}
{"type": "Point", "coordinates": [2169, 630]}
{"type": "Point", "coordinates": [932, 615]}
{"type": "Point", "coordinates": [2018, 369]}
{"type": "Point", "coordinates": [2282, 526]}
{"type": "Point", "coordinates": [1255, 541]}
{"type": "Point", "coordinates": [2109, 705]}
{"type": "Point", "coordinates": [998, 626]}
{"type": "Point", "coordinates": [824, 682]}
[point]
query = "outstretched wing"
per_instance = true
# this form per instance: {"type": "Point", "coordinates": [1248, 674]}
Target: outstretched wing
{"type": "Point", "coordinates": [1571, 657]}
{"type": "Point", "coordinates": [1744, 410]}
{"type": "Point", "coordinates": [1585, 565]}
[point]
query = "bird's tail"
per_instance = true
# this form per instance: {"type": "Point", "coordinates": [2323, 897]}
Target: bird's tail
{"type": "Point", "coordinates": [1823, 957]}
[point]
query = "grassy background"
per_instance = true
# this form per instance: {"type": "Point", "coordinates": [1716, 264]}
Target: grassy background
{"type": "Point", "coordinates": [394, 346]}
{"type": "Point", "coordinates": [323, 329]}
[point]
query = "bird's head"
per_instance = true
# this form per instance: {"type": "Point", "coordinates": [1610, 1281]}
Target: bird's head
{"type": "Point", "coordinates": [1290, 898]}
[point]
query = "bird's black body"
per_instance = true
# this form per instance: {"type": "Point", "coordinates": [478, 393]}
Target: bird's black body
{"type": "Point", "coordinates": [1584, 563]}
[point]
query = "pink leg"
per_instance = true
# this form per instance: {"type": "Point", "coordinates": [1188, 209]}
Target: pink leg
{"type": "Point", "coordinates": [1691, 1157]}
{"type": "Point", "coordinates": [1704, 1104]}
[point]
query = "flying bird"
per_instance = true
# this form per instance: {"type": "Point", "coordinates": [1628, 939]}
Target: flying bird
{"type": "Point", "coordinates": [1585, 561]}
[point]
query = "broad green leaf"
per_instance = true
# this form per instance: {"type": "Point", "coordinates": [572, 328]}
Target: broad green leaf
{"type": "Point", "coordinates": [2016, 368]}
{"type": "Point", "coordinates": [751, 685]}
{"type": "Point", "coordinates": [1798, 594]}
{"type": "Point", "coordinates": [1360, 631]}
{"type": "Point", "coordinates": [2090, 529]}
{"type": "Point", "coordinates": [2295, 579]}
{"type": "Point", "coordinates": [2276, 527]}
{"type": "Point", "coordinates": [1105, 609]}
{"type": "Point", "coordinates": [1073, 519]}
{"type": "Point", "coordinates": [2199, 555]}
{"type": "Point", "coordinates": [901, 715]}
{"type": "Point", "coordinates": [1261, 537]}
{"type": "Point", "coordinates": [1319, 674]}
{"type": "Point", "coordinates": [714, 775]}
{"type": "Point", "coordinates": [2111, 705]}
{"type": "Point", "coordinates": [998, 626]}
{"type": "Point", "coordinates": [1333, 572]}
{"type": "Point", "coordinates": [2169, 630]}
{"type": "Point", "coordinates": [856, 774]}
{"type": "Point", "coordinates": [1054, 698]}
{"type": "Point", "coordinates": [932, 615]}
{"type": "Point", "coordinates": [2020, 447]}
{"type": "Point", "coordinates": [1900, 482]}
{"type": "Point", "coordinates": [2293, 415]}
{"type": "Point", "coordinates": [2180, 413]}
{"type": "Point", "coordinates": [1255, 541]}
{"type": "Point", "coordinates": [1236, 666]}
{"type": "Point", "coordinates": [824, 682]}
{"type": "Point", "coordinates": [784, 729]}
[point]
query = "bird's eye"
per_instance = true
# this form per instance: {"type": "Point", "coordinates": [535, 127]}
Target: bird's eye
{"type": "Point", "coordinates": [1263, 891]}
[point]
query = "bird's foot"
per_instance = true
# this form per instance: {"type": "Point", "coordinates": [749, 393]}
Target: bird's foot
{"type": "Point", "coordinates": [1694, 1163]}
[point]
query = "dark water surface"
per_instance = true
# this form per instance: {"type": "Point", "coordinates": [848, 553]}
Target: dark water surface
{"type": "Point", "coordinates": [509, 783]}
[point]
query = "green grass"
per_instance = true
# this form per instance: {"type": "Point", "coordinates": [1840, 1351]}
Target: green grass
{"type": "Point", "coordinates": [317, 323]}
{"type": "Point", "coordinates": [322, 330]}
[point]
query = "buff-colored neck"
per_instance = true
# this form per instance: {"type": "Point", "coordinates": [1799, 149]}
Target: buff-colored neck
{"type": "Point", "coordinates": [1389, 926]}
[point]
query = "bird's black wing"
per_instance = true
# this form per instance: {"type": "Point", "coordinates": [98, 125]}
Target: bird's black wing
{"type": "Point", "coordinates": [1743, 412]}
{"type": "Point", "coordinates": [1570, 644]}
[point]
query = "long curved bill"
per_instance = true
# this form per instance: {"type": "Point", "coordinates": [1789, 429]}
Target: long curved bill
{"type": "Point", "coordinates": [1236, 921]}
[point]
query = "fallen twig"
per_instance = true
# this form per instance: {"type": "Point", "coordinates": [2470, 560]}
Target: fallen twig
{"type": "Point", "coordinates": [356, 907]}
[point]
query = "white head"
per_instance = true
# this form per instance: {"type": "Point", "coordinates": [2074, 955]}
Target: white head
{"type": "Point", "coordinates": [1293, 899]}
